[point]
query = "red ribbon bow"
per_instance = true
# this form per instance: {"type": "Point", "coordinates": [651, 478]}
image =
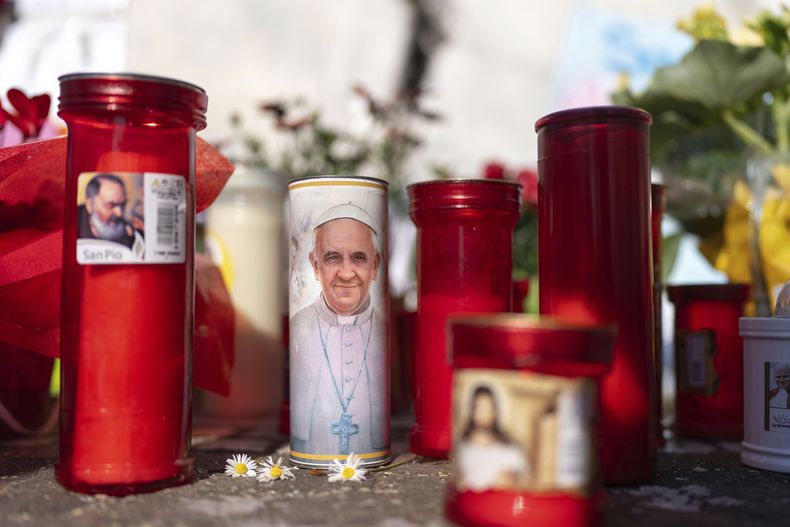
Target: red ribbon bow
{"type": "Point", "coordinates": [31, 223]}
{"type": "Point", "coordinates": [31, 112]}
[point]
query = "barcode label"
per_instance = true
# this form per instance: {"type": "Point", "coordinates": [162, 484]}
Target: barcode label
{"type": "Point", "coordinates": [165, 200]}
{"type": "Point", "coordinates": [166, 225]}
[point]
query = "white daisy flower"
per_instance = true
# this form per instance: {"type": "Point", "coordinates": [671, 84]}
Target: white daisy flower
{"type": "Point", "coordinates": [271, 471]}
{"type": "Point", "coordinates": [348, 471]}
{"type": "Point", "coordinates": [241, 466]}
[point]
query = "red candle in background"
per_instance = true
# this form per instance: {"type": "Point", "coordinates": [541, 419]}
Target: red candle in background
{"type": "Point", "coordinates": [595, 263]}
{"type": "Point", "coordinates": [24, 391]}
{"type": "Point", "coordinates": [284, 420]}
{"type": "Point", "coordinates": [709, 359]}
{"type": "Point", "coordinates": [464, 264]}
{"type": "Point", "coordinates": [126, 333]}
{"type": "Point", "coordinates": [658, 201]}
{"type": "Point", "coordinates": [535, 461]}
{"type": "Point", "coordinates": [520, 293]}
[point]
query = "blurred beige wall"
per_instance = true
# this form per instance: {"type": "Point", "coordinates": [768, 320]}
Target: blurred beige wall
{"type": "Point", "coordinates": [491, 78]}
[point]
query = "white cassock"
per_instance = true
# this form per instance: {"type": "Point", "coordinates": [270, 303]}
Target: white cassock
{"type": "Point", "coordinates": [780, 399]}
{"type": "Point", "coordinates": [480, 467]}
{"type": "Point", "coordinates": [335, 357]}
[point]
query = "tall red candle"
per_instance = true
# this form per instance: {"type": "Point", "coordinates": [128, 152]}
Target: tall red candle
{"type": "Point", "coordinates": [127, 312]}
{"type": "Point", "coordinates": [464, 264]}
{"type": "Point", "coordinates": [529, 456]}
{"type": "Point", "coordinates": [709, 359]}
{"type": "Point", "coordinates": [595, 262]}
{"type": "Point", "coordinates": [658, 202]}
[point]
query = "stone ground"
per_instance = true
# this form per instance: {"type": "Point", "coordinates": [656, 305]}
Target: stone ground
{"type": "Point", "coordinates": [698, 484]}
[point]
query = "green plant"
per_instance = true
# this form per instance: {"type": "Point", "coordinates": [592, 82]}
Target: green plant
{"type": "Point", "coordinates": [314, 147]}
{"type": "Point", "coordinates": [726, 101]}
{"type": "Point", "coordinates": [729, 95]}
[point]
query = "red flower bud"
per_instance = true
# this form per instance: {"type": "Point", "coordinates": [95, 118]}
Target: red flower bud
{"type": "Point", "coordinates": [494, 170]}
{"type": "Point", "coordinates": [529, 181]}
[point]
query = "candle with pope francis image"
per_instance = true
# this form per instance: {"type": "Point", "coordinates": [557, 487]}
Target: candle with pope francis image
{"type": "Point", "coordinates": [338, 321]}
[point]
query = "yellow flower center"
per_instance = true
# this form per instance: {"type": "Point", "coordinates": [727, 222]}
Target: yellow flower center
{"type": "Point", "coordinates": [277, 471]}
{"type": "Point", "coordinates": [348, 473]}
{"type": "Point", "coordinates": [241, 468]}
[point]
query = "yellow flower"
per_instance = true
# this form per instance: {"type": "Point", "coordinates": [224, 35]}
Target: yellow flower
{"type": "Point", "coordinates": [730, 253]}
{"type": "Point", "coordinates": [748, 37]}
{"type": "Point", "coordinates": [705, 24]}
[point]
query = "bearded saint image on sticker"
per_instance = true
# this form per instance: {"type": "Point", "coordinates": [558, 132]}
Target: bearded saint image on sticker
{"type": "Point", "coordinates": [110, 208]}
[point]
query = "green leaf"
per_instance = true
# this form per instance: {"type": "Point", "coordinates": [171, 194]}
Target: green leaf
{"type": "Point", "coordinates": [532, 302]}
{"type": "Point", "coordinates": [719, 75]}
{"type": "Point", "coordinates": [672, 117]}
{"type": "Point", "coordinates": [670, 247]}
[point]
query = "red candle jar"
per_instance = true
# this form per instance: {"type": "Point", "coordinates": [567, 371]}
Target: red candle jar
{"type": "Point", "coordinates": [520, 293]}
{"type": "Point", "coordinates": [127, 294]}
{"type": "Point", "coordinates": [284, 421]}
{"type": "Point", "coordinates": [24, 391]}
{"type": "Point", "coordinates": [464, 264]}
{"type": "Point", "coordinates": [525, 405]}
{"type": "Point", "coordinates": [709, 360]}
{"type": "Point", "coordinates": [658, 201]}
{"type": "Point", "coordinates": [595, 263]}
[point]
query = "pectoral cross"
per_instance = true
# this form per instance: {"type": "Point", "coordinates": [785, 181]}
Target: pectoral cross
{"type": "Point", "coordinates": [345, 429]}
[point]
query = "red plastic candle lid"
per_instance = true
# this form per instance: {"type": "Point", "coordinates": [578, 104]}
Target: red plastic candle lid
{"type": "Point", "coordinates": [593, 114]}
{"type": "Point", "coordinates": [720, 292]}
{"type": "Point", "coordinates": [127, 91]}
{"type": "Point", "coordinates": [465, 194]}
{"type": "Point", "coordinates": [512, 341]}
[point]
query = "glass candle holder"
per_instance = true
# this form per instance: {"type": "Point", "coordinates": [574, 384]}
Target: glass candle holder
{"type": "Point", "coordinates": [766, 387]}
{"type": "Point", "coordinates": [526, 402]}
{"type": "Point", "coordinates": [595, 263]}
{"type": "Point", "coordinates": [658, 201]}
{"type": "Point", "coordinates": [127, 293]}
{"type": "Point", "coordinates": [244, 231]}
{"type": "Point", "coordinates": [464, 264]}
{"type": "Point", "coordinates": [339, 323]}
{"type": "Point", "coordinates": [709, 360]}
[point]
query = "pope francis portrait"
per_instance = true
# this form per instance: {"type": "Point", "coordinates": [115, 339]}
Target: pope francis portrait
{"type": "Point", "coordinates": [338, 345]}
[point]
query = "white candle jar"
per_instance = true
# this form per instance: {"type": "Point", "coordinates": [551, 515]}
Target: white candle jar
{"type": "Point", "coordinates": [245, 239]}
{"type": "Point", "coordinates": [766, 369]}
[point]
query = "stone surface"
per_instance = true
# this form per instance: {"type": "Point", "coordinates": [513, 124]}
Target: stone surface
{"type": "Point", "coordinates": [699, 484]}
